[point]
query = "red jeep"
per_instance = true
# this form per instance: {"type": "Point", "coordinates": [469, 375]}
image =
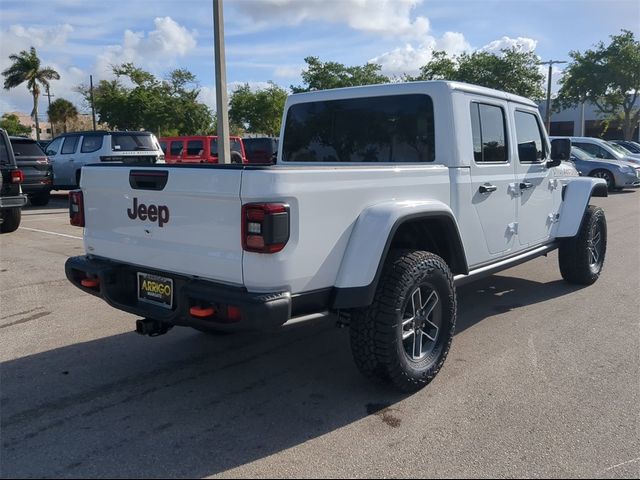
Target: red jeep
{"type": "Point", "coordinates": [199, 149]}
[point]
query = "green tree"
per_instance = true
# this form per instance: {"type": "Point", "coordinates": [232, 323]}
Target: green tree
{"type": "Point", "coordinates": [168, 106]}
{"type": "Point", "coordinates": [26, 68]}
{"type": "Point", "coordinates": [607, 76]}
{"type": "Point", "coordinates": [511, 71]}
{"type": "Point", "coordinates": [257, 112]}
{"type": "Point", "coordinates": [324, 75]}
{"type": "Point", "coordinates": [11, 123]}
{"type": "Point", "coordinates": [62, 111]}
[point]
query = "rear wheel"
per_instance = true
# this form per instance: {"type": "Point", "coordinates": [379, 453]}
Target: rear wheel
{"type": "Point", "coordinates": [403, 338]}
{"type": "Point", "coordinates": [581, 258]}
{"type": "Point", "coordinates": [10, 220]}
{"type": "Point", "coordinates": [607, 176]}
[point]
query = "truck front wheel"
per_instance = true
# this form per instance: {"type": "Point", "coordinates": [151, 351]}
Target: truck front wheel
{"type": "Point", "coordinates": [403, 338]}
{"type": "Point", "coordinates": [581, 257]}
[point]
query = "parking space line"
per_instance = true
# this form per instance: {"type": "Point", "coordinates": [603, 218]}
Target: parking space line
{"type": "Point", "coordinates": [51, 233]}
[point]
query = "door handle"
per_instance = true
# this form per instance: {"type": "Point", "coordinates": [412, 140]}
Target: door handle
{"type": "Point", "coordinates": [526, 185]}
{"type": "Point", "coordinates": [487, 188]}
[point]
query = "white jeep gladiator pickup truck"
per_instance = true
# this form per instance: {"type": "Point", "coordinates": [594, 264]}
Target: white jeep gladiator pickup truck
{"type": "Point", "coordinates": [382, 200]}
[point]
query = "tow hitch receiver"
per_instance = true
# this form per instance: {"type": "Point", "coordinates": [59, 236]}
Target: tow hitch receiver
{"type": "Point", "coordinates": [153, 328]}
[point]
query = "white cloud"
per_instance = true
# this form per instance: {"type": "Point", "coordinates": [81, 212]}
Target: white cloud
{"type": "Point", "coordinates": [408, 59]}
{"type": "Point", "coordinates": [156, 50]}
{"type": "Point", "coordinates": [160, 47]}
{"type": "Point", "coordinates": [384, 17]}
{"type": "Point", "coordinates": [522, 44]}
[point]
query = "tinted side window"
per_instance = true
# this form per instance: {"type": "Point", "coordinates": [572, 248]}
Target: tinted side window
{"type": "Point", "coordinates": [4, 153]}
{"type": "Point", "coordinates": [176, 148]}
{"type": "Point", "coordinates": [531, 147]}
{"type": "Point", "coordinates": [489, 132]}
{"type": "Point", "coordinates": [70, 144]}
{"type": "Point", "coordinates": [195, 147]}
{"type": "Point", "coordinates": [394, 128]}
{"type": "Point", "coordinates": [163, 146]}
{"type": "Point", "coordinates": [91, 143]}
{"type": "Point", "coordinates": [236, 146]}
{"type": "Point", "coordinates": [54, 147]}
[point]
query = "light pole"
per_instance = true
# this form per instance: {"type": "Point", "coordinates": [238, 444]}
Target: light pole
{"type": "Point", "coordinates": [93, 108]}
{"type": "Point", "coordinates": [548, 110]}
{"type": "Point", "coordinates": [49, 109]}
{"type": "Point", "coordinates": [224, 152]}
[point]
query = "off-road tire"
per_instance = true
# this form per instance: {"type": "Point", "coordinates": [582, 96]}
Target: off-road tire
{"type": "Point", "coordinates": [10, 220]}
{"type": "Point", "coordinates": [377, 331]}
{"type": "Point", "coordinates": [576, 254]}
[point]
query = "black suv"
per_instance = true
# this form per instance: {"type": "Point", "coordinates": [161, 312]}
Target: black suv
{"type": "Point", "coordinates": [36, 167]}
{"type": "Point", "coordinates": [261, 149]}
{"type": "Point", "coordinates": [11, 197]}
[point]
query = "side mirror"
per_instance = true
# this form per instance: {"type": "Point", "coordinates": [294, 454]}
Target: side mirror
{"type": "Point", "coordinates": [560, 150]}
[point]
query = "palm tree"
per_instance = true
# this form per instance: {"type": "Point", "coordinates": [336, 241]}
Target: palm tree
{"type": "Point", "coordinates": [62, 111]}
{"type": "Point", "coordinates": [26, 68]}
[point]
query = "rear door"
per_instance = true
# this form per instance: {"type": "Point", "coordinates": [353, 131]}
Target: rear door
{"type": "Point", "coordinates": [177, 220]}
{"type": "Point", "coordinates": [493, 174]}
{"type": "Point", "coordinates": [31, 160]}
{"type": "Point", "coordinates": [536, 183]}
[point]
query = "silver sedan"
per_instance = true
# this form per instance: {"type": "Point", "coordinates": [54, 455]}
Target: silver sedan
{"type": "Point", "coordinates": [617, 173]}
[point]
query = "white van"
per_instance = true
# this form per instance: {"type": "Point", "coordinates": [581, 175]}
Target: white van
{"type": "Point", "coordinates": [70, 152]}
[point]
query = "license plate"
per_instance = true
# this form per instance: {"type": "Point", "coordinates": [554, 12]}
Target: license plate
{"type": "Point", "coordinates": [155, 289]}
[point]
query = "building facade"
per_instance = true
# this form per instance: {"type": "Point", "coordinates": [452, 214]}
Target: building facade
{"type": "Point", "coordinates": [566, 123]}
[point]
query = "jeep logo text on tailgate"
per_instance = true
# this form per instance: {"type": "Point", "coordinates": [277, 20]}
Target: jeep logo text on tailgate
{"type": "Point", "coordinates": [153, 213]}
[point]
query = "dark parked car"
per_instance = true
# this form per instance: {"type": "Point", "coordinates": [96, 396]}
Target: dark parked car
{"type": "Point", "coordinates": [632, 147]}
{"type": "Point", "coordinates": [261, 150]}
{"type": "Point", "coordinates": [11, 198]}
{"type": "Point", "coordinates": [36, 167]}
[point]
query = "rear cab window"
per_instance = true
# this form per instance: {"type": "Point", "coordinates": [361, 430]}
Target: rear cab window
{"type": "Point", "coordinates": [26, 148]}
{"type": "Point", "coordinates": [386, 129]}
{"type": "Point", "coordinates": [125, 142]}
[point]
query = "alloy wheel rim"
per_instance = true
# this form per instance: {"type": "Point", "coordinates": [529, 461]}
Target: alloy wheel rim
{"type": "Point", "coordinates": [595, 247]}
{"type": "Point", "coordinates": [421, 323]}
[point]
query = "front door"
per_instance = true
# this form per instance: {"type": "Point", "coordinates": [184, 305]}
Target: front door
{"type": "Point", "coordinates": [493, 175]}
{"type": "Point", "coordinates": [536, 184]}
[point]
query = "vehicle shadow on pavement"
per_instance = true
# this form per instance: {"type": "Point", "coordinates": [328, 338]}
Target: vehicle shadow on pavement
{"type": "Point", "coordinates": [191, 405]}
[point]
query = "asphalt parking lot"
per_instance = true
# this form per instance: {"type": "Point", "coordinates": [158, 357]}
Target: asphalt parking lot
{"type": "Point", "coordinates": [543, 380]}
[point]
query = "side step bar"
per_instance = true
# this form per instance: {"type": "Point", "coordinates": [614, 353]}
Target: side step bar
{"type": "Point", "coordinates": [503, 264]}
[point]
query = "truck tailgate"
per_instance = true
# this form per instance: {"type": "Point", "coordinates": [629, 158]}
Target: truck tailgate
{"type": "Point", "coordinates": [190, 226]}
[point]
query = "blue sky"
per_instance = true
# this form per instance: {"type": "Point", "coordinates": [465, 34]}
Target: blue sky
{"type": "Point", "coordinates": [269, 39]}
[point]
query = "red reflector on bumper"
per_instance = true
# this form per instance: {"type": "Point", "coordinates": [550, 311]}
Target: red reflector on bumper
{"type": "Point", "coordinates": [201, 312]}
{"type": "Point", "coordinates": [90, 282]}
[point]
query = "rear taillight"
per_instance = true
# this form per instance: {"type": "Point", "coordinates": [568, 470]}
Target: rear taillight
{"type": "Point", "coordinates": [17, 176]}
{"type": "Point", "coordinates": [76, 208]}
{"type": "Point", "coordinates": [265, 227]}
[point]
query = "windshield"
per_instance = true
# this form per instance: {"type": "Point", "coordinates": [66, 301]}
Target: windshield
{"type": "Point", "coordinates": [132, 142]}
{"type": "Point", "coordinates": [26, 148]}
{"type": "Point", "coordinates": [622, 151]}
{"type": "Point", "coordinates": [580, 154]}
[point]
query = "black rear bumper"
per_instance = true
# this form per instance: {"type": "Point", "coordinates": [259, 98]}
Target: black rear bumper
{"type": "Point", "coordinates": [118, 287]}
